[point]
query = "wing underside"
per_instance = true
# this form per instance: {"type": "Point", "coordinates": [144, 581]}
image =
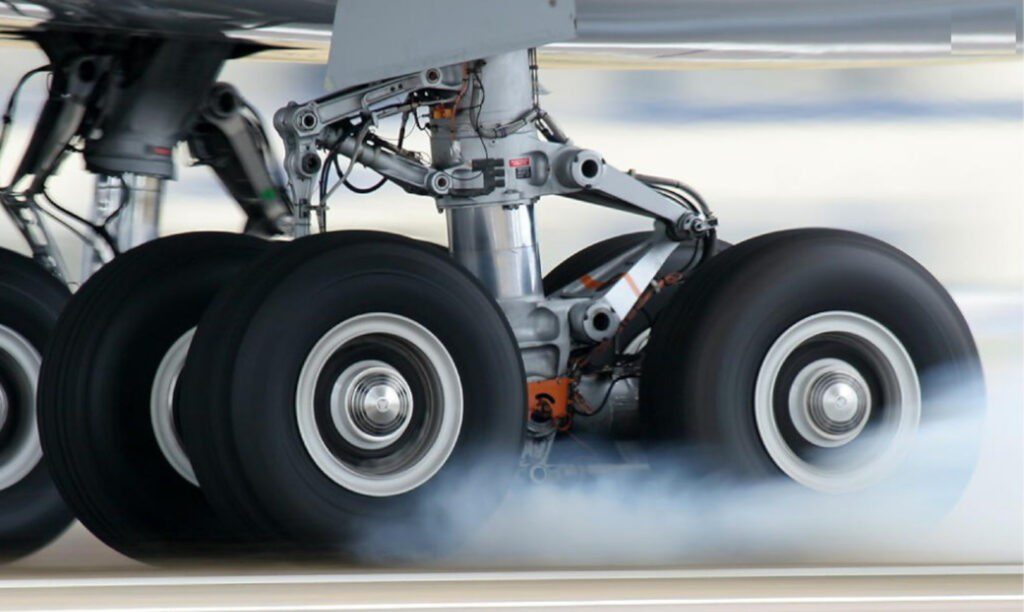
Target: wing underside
{"type": "Point", "coordinates": [667, 34]}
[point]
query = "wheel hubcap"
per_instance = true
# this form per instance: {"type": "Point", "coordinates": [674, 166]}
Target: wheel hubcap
{"type": "Point", "coordinates": [829, 403]}
{"type": "Point", "coordinates": [371, 405]}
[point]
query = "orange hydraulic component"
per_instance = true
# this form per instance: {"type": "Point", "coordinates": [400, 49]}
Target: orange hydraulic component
{"type": "Point", "coordinates": [549, 399]}
{"type": "Point", "coordinates": [443, 112]}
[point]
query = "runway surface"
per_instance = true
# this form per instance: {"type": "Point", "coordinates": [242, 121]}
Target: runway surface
{"type": "Point", "coordinates": [976, 588]}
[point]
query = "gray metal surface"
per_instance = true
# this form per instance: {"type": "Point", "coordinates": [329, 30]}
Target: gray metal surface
{"type": "Point", "coordinates": [410, 35]}
{"type": "Point", "coordinates": [624, 33]}
{"type": "Point", "coordinates": [499, 246]}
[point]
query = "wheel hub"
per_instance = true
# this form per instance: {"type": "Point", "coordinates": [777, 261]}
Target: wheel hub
{"type": "Point", "coordinates": [388, 445]}
{"type": "Point", "coordinates": [829, 403]}
{"type": "Point", "coordinates": [835, 403]}
{"type": "Point", "coordinates": [371, 404]}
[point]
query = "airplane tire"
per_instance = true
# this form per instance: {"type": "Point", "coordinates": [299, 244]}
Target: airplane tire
{"type": "Point", "coordinates": [821, 355]}
{"type": "Point", "coordinates": [32, 513]}
{"type": "Point", "coordinates": [107, 398]}
{"type": "Point", "coordinates": [357, 395]}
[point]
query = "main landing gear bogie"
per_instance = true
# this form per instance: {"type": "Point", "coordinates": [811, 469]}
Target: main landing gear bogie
{"type": "Point", "coordinates": [360, 395]}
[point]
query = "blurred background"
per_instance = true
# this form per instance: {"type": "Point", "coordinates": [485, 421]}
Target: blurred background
{"type": "Point", "coordinates": [929, 158]}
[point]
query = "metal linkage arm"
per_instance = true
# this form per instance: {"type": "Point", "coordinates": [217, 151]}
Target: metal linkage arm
{"type": "Point", "coordinates": [592, 180]}
{"type": "Point", "coordinates": [411, 175]}
{"type": "Point", "coordinates": [235, 146]}
{"type": "Point", "coordinates": [305, 128]}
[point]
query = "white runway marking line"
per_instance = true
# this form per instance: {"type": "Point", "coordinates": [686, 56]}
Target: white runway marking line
{"type": "Point", "coordinates": [596, 603]}
{"type": "Point", "coordinates": [508, 576]}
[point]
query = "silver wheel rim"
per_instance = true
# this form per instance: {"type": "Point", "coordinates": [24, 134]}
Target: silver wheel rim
{"type": "Point", "coordinates": [830, 405]}
{"type": "Point", "coordinates": [161, 407]}
{"type": "Point", "coordinates": [371, 405]}
{"type": "Point", "coordinates": [22, 450]}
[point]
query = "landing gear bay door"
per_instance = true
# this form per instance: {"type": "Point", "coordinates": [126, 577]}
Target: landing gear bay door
{"type": "Point", "coordinates": [378, 39]}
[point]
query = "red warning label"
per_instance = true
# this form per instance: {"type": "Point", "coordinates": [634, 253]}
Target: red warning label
{"type": "Point", "coordinates": [519, 162]}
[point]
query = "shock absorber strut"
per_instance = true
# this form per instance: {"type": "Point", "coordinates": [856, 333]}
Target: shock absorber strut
{"type": "Point", "coordinates": [492, 234]}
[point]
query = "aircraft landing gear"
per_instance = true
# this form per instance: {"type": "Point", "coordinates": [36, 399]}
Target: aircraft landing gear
{"type": "Point", "coordinates": [366, 396]}
{"type": "Point", "coordinates": [31, 510]}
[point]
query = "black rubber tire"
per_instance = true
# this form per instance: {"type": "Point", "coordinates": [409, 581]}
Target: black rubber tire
{"type": "Point", "coordinates": [95, 393]}
{"type": "Point", "coordinates": [706, 349]}
{"type": "Point", "coordinates": [32, 513]}
{"type": "Point", "coordinates": [588, 258]}
{"type": "Point", "coordinates": [238, 398]}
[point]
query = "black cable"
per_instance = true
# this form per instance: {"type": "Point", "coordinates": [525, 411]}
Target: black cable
{"type": "Point", "coordinates": [5, 195]}
{"type": "Point", "coordinates": [695, 196]}
{"type": "Point", "coordinates": [85, 239]}
{"type": "Point", "coordinates": [710, 242]}
{"type": "Point", "coordinates": [607, 396]}
{"type": "Point", "coordinates": [125, 198]}
{"type": "Point", "coordinates": [678, 198]}
{"type": "Point", "coordinates": [331, 161]}
{"type": "Point", "coordinates": [383, 179]}
{"type": "Point", "coordinates": [474, 120]}
{"type": "Point", "coordinates": [365, 190]}
{"type": "Point", "coordinates": [100, 230]}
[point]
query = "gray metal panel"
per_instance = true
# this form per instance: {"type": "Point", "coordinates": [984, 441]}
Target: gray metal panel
{"type": "Point", "coordinates": [612, 33]}
{"type": "Point", "coordinates": [377, 39]}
